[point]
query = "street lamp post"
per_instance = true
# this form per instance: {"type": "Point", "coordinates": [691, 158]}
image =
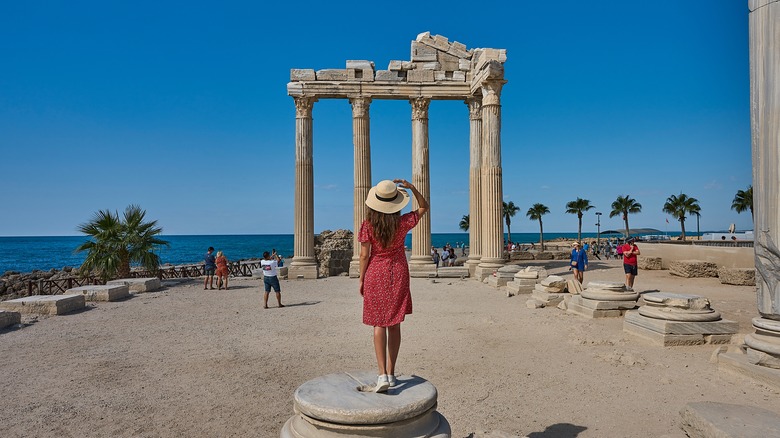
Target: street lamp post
{"type": "Point", "coordinates": [598, 230]}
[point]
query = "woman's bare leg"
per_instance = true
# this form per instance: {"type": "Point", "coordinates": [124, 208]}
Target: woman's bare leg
{"type": "Point", "coordinates": [393, 346]}
{"type": "Point", "coordinates": [380, 348]}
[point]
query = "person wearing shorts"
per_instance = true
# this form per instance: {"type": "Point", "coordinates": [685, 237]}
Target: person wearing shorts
{"type": "Point", "coordinates": [209, 267]}
{"type": "Point", "coordinates": [630, 251]}
{"type": "Point", "coordinates": [270, 278]}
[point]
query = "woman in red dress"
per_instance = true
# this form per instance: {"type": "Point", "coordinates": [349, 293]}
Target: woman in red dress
{"type": "Point", "coordinates": [384, 272]}
{"type": "Point", "coordinates": [222, 270]}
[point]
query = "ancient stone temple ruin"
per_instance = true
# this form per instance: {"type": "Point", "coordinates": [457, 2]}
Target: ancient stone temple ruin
{"type": "Point", "coordinates": [438, 69]}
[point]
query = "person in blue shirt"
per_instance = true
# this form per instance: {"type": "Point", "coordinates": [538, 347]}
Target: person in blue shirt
{"type": "Point", "coordinates": [579, 261]}
{"type": "Point", "coordinates": [209, 267]}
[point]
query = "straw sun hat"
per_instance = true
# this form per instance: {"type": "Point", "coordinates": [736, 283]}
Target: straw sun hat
{"type": "Point", "coordinates": [386, 197]}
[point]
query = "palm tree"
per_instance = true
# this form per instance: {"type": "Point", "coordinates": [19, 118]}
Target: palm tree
{"type": "Point", "coordinates": [743, 200]}
{"type": "Point", "coordinates": [679, 206]}
{"type": "Point", "coordinates": [535, 213]}
{"type": "Point", "coordinates": [464, 223]}
{"type": "Point", "coordinates": [697, 212]}
{"type": "Point", "coordinates": [117, 242]}
{"type": "Point", "coordinates": [509, 211]}
{"type": "Point", "coordinates": [624, 205]}
{"type": "Point", "coordinates": [577, 207]}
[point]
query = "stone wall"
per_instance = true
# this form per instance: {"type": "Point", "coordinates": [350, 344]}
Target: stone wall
{"type": "Point", "coordinates": [13, 284]}
{"type": "Point", "coordinates": [730, 257]}
{"type": "Point", "coordinates": [333, 250]}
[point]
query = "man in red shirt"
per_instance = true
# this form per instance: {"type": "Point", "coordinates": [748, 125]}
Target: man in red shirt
{"type": "Point", "coordinates": [630, 251]}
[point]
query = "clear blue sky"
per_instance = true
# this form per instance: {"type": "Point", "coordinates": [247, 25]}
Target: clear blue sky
{"type": "Point", "coordinates": [182, 107]}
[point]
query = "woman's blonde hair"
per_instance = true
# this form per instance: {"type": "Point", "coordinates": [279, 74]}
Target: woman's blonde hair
{"type": "Point", "coordinates": [384, 225]}
{"type": "Point", "coordinates": [219, 253]}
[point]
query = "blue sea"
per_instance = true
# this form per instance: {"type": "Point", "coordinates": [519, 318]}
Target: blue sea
{"type": "Point", "coordinates": [25, 254]}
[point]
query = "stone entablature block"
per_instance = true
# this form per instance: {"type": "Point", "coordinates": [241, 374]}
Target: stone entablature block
{"type": "Point", "coordinates": [45, 304]}
{"type": "Point", "coordinates": [433, 60]}
{"type": "Point", "coordinates": [105, 292]}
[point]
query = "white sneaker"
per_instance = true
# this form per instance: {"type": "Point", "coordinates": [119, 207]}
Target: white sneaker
{"type": "Point", "coordinates": [391, 380]}
{"type": "Point", "coordinates": [382, 383]}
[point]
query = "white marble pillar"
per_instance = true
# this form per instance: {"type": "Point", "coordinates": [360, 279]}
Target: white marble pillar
{"type": "Point", "coordinates": [764, 24]}
{"type": "Point", "coordinates": [304, 263]}
{"type": "Point", "coordinates": [474, 104]}
{"type": "Point", "coordinates": [492, 189]}
{"type": "Point", "coordinates": [361, 139]}
{"type": "Point", "coordinates": [421, 264]}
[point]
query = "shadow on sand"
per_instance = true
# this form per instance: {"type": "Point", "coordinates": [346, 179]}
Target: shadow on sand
{"type": "Point", "coordinates": [559, 430]}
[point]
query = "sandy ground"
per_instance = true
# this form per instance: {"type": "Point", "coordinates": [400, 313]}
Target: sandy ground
{"type": "Point", "coordinates": [190, 362]}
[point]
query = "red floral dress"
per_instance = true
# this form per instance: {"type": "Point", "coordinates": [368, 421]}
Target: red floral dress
{"type": "Point", "coordinates": [386, 295]}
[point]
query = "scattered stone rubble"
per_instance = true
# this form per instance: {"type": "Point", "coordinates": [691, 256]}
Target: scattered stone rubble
{"type": "Point", "coordinates": [524, 280]}
{"type": "Point", "coordinates": [333, 250]}
{"type": "Point", "coordinates": [13, 284]}
{"type": "Point", "coordinates": [502, 276]}
{"type": "Point", "coordinates": [548, 292]}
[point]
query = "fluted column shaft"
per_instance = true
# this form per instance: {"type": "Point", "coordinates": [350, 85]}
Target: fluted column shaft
{"type": "Point", "coordinates": [361, 139]}
{"type": "Point", "coordinates": [421, 234]}
{"type": "Point", "coordinates": [764, 22]}
{"type": "Point", "coordinates": [491, 175]}
{"type": "Point", "coordinates": [304, 185]}
{"type": "Point", "coordinates": [475, 178]}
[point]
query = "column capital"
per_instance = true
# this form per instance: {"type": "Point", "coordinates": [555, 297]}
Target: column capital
{"type": "Point", "coordinates": [360, 106]}
{"type": "Point", "coordinates": [420, 108]}
{"type": "Point", "coordinates": [475, 107]}
{"type": "Point", "coordinates": [491, 91]}
{"type": "Point", "coordinates": [304, 106]}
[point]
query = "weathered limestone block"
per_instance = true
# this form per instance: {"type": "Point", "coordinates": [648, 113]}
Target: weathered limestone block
{"type": "Point", "coordinates": [714, 419]}
{"type": "Point", "coordinates": [332, 74]}
{"type": "Point", "coordinates": [304, 74]}
{"type": "Point", "coordinates": [582, 306]}
{"type": "Point", "coordinates": [693, 268]}
{"type": "Point", "coordinates": [441, 42]}
{"type": "Point", "coordinates": [464, 65]}
{"type": "Point", "coordinates": [8, 318]}
{"type": "Point", "coordinates": [139, 285]}
{"type": "Point", "coordinates": [448, 62]}
{"type": "Point", "coordinates": [365, 75]}
{"type": "Point", "coordinates": [458, 76]}
{"type": "Point", "coordinates": [503, 275]}
{"type": "Point", "coordinates": [459, 50]}
{"type": "Point", "coordinates": [682, 301]}
{"type": "Point", "coordinates": [360, 65]}
{"type": "Point", "coordinates": [649, 263]}
{"type": "Point", "coordinates": [408, 65]}
{"type": "Point", "coordinates": [543, 255]}
{"type": "Point", "coordinates": [554, 283]}
{"type": "Point", "coordinates": [520, 286]}
{"type": "Point", "coordinates": [737, 276]}
{"type": "Point", "coordinates": [45, 304]}
{"type": "Point", "coordinates": [546, 297]}
{"type": "Point", "coordinates": [422, 52]}
{"type": "Point", "coordinates": [388, 75]}
{"type": "Point", "coordinates": [395, 66]}
{"type": "Point", "coordinates": [343, 404]}
{"type": "Point", "coordinates": [420, 76]}
{"type": "Point", "coordinates": [573, 286]}
{"type": "Point", "coordinates": [108, 292]}
{"type": "Point", "coordinates": [428, 66]}
{"type": "Point", "coordinates": [615, 286]}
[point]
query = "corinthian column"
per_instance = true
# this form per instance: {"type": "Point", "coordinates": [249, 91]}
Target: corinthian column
{"type": "Point", "coordinates": [492, 191]}
{"type": "Point", "coordinates": [421, 264]}
{"type": "Point", "coordinates": [475, 194]}
{"type": "Point", "coordinates": [763, 346]}
{"type": "Point", "coordinates": [362, 142]}
{"type": "Point", "coordinates": [304, 264]}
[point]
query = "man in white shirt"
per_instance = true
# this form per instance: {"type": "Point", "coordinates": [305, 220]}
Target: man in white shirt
{"type": "Point", "coordinates": [270, 278]}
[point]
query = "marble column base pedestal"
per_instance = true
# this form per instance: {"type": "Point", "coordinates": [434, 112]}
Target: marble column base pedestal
{"type": "Point", "coordinates": [342, 405]}
{"type": "Point", "coordinates": [598, 308]}
{"type": "Point", "coordinates": [452, 272]}
{"type": "Point", "coordinates": [668, 333]}
{"type": "Point", "coordinates": [354, 269]}
{"type": "Point", "coordinates": [485, 270]}
{"type": "Point", "coordinates": [302, 271]}
{"type": "Point", "coordinates": [422, 270]}
{"type": "Point", "coordinates": [471, 264]}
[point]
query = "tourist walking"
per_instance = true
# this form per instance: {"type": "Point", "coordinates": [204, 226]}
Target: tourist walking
{"type": "Point", "coordinates": [436, 257]}
{"type": "Point", "coordinates": [445, 256]}
{"type": "Point", "coordinates": [271, 278]}
{"type": "Point", "coordinates": [579, 261]}
{"type": "Point", "coordinates": [384, 272]}
{"type": "Point", "coordinates": [630, 253]}
{"type": "Point", "coordinates": [209, 267]}
{"type": "Point", "coordinates": [222, 270]}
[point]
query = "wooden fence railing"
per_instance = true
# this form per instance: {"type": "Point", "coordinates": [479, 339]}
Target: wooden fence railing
{"type": "Point", "coordinates": [60, 285]}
